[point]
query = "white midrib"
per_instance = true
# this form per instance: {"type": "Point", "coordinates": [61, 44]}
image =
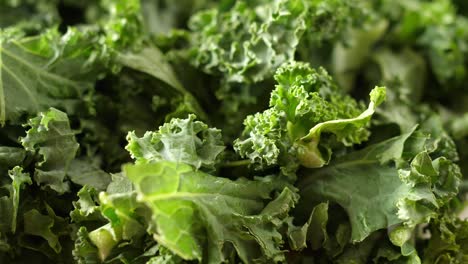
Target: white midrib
{"type": "Point", "coordinates": [187, 195]}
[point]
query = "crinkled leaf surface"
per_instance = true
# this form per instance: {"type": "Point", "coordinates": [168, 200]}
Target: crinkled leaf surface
{"type": "Point", "coordinates": [305, 103]}
{"type": "Point", "coordinates": [51, 137]}
{"type": "Point", "coordinates": [192, 210]}
{"type": "Point", "coordinates": [182, 140]}
{"type": "Point", "coordinates": [46, 70]}
{"type": "Point", "coordinates": [375, 193]}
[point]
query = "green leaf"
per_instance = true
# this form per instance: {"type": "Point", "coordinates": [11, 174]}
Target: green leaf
{"type": "Point", "coordinates": [123, 24]}
{"type": "Point", "coordinates": [151, 61]}
{"type": "Point", "coordinates": [359, 253]}
{"type": "Point", "coordinates": [248, 41]}
{"type": "Point", "coordinates": [263, 138]}
{"type": "Point", "coordinates": [244, 45]}
{"type": "Point", "coordinates": [314, 230]}
{"type": "Point", "coordinates": [46, 70]}
{"type": "Point", "coordinates": [19, 179]}
{"type": "Point", "coordinates": [104, 240]}
{"type": "Point", "coordinates": [402, 237]}
{"type": "Point", "coordinates": [388, 197]}
{"type": "Point", "coordinates": [163, 17]}
{"type": "Point", "coordinates": [28, 16]}
{"type": "Point", "coordinates": [119, 184]}
{"type": "Point", "coordinates": [84, 251]}
{"type": "Point", "coordinates": [51, 137]}
{"type": "Point", "coordinates": [192, 211]}
{"type": "Point", "coordinates": [11, 156]}
{"type": "Point", "coordinates": [87, 171]}
{"type": "Point", "coordinates": [405, 72]}
{"type": "Point", "coordinates": [348, 58]}
{"type": "Point", "coordinates": [305, 103]}
{"type": "Point", "coordinates": [388, 253]}
{"type": "Point", "coordinates": [448, 242]}
{"type": "Point", "coordinates": [86, 208]}
{"type": "Point", "coordinates": [121, 210]}
{"type": "Point", "coordinates": [317, 231]}
{"type": "Point", "coordinates": [182, 140]}
{"type": "Point", "coordinates": [443, 33]}
{"type": "Point", "coordinates": [9, 205]}
{"type": "Point", "coordinates": [308, 153]}
{"type": "Point", "coordinates": [47, 226]}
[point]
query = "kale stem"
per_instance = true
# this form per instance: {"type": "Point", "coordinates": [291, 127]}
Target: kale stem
{"type": "Point", "coordinates": [236, 163]}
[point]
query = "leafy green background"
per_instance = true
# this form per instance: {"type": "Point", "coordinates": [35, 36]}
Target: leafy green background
{"type": "Point", "coordinates": [233, 131]}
